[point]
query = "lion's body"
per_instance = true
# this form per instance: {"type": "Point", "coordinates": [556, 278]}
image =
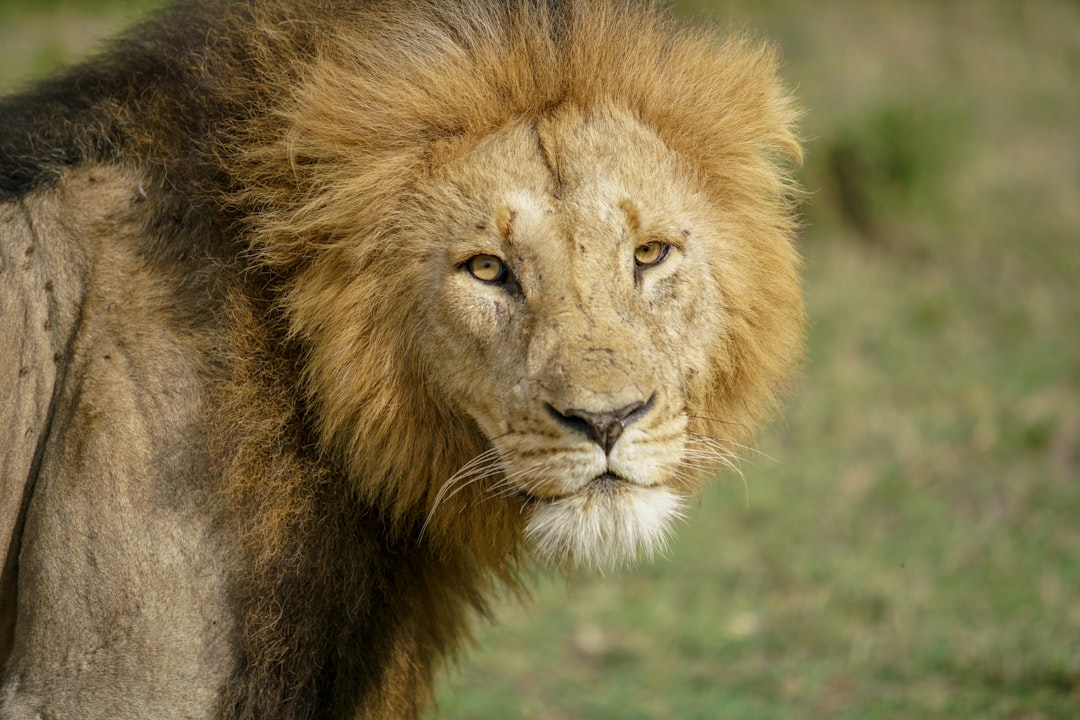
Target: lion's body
{"type": "Point", "coordinates": [316, 320]}
{"type": "Point", "coordinates": [119, 560]}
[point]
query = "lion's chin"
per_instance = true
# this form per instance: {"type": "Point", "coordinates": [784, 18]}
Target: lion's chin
{"type": "Point", "coordinates": [605, 526]}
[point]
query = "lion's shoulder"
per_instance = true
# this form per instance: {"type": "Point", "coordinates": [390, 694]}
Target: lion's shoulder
{"type": "Point", "coordinates": [102, 397]}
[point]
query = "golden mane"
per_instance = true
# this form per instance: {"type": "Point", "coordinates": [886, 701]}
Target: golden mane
{"type": "Point", "coordinates": [384, 102]}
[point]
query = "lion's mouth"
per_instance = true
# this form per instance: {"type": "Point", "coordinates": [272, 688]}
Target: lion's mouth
{"type": "Point", "coordinates": [606, 483]}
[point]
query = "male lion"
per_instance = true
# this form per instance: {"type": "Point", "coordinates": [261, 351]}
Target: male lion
{"type": "Point", "coordinates": [319, 318]}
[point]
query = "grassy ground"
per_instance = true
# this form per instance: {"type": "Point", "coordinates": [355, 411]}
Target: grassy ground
{"type": "Point", "coordinates": [910, 545]}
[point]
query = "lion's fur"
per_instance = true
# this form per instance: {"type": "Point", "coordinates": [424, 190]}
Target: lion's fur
{"type": "Point", "coordinates": [286, 165]}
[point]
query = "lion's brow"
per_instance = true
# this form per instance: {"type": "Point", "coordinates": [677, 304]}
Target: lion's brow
{"type": "Point", "coordinates": [633, 216]}
{"type": "Point", "coordinates": [504, 222]}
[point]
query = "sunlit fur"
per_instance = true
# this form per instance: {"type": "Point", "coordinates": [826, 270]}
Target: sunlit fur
{"type": "Point", "coordinates": [387, 426]}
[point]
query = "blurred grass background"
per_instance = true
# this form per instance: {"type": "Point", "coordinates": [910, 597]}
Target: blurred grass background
{"type": "Point", "coordinates": [907, 544]}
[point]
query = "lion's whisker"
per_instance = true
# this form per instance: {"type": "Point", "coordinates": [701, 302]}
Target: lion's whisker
{"type": "Point", "coordinates": [697, 437]}
{"type": "Point", "coordinates": [508, 487]}
{"type": "Point", "coordinates": [475, 469]}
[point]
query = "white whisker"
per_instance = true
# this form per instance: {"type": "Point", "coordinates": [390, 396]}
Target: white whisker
{"type": "Point", "coordinates": [705, 454]}
{"type": "Point", "coordinates": [484, 465]}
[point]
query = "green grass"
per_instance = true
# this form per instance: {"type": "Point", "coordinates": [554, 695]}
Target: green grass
{"type": "Point", "coordinates": [913, 551]}
{"type": "Point", "coordinates": [39, 36]}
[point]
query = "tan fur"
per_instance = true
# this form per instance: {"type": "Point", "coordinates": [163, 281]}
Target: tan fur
{"type": "Point", "coordinates": [373, 436]}
{"type": "Point", "coordinates": [121, 574]}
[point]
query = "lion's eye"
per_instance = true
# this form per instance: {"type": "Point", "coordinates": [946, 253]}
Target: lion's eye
{"type": "Point", "coordinates": [487, 268]}
{"type": "Point", "coordinates": [651, 253]}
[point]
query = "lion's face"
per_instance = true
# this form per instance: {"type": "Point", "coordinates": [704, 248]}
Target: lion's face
{"type": "Point", "coordinates": [536, 302]}
{"type": "Point", "coordinates": [572, 304]}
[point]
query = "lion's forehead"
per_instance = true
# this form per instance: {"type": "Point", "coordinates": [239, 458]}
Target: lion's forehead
{"type": "Point", "coordinates": [575, 170]}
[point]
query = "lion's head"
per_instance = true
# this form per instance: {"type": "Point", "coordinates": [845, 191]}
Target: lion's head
{"type": "Point", "coordinates": [540, 286]}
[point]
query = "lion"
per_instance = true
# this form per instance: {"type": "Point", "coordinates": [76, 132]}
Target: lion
{"type": "Point", "coordinates": [322, 321]}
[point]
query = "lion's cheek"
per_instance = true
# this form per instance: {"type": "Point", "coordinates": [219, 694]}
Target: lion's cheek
{"type": "Point", "coordinates": [466, 347]}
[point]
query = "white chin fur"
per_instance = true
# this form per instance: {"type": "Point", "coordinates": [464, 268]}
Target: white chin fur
{"type": "Point", "coordinates": [605, 529]}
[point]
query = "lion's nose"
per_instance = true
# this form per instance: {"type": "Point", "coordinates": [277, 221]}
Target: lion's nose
{"type": "Point", "coordinates": [603, 428]}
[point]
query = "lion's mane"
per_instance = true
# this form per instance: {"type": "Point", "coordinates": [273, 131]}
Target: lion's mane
{"type": "Point", "coordinates": [271, 136]}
